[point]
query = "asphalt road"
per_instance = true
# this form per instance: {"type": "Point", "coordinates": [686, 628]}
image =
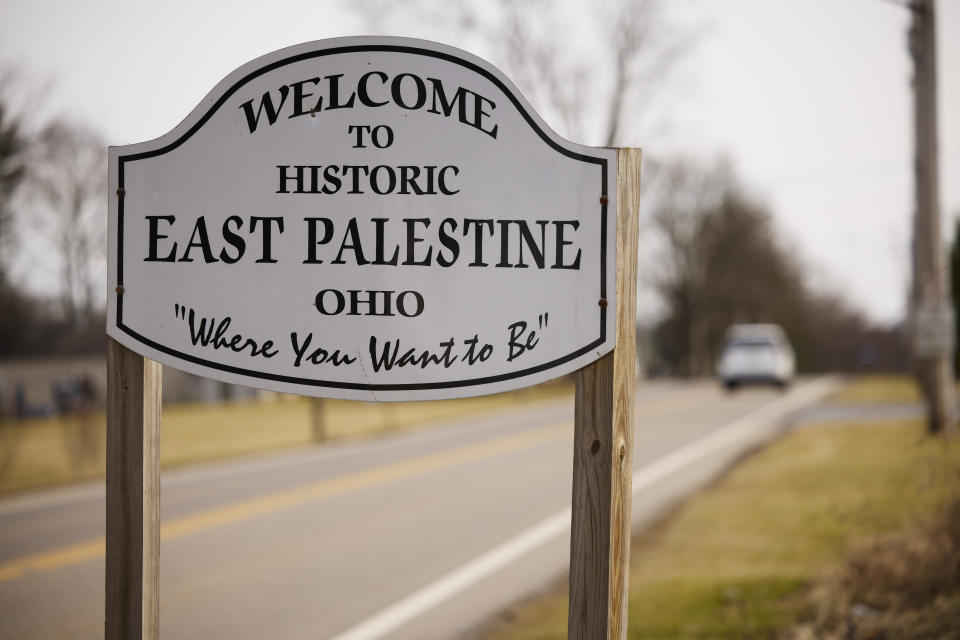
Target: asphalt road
{"type": "Point", "coordinates": [419, 536]}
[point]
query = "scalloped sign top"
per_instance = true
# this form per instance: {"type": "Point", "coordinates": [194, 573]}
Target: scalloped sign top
{"type": "Point", "coordinates": [364, 218]}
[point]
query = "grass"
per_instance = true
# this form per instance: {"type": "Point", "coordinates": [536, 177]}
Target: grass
{"type": "Point", "coordinates": [736, 560]}
{"type": "Point", "coordinates": [902, 585]}
{"type": "Point", "coordinates": [49, 451]}
{"type": "Point", "coordinates": [879, 389]}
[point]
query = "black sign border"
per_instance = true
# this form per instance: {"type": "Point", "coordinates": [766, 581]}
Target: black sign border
{"type": "Point", "coordinates": [334, 384]}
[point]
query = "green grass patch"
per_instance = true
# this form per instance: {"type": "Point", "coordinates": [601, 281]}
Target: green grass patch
{"type": "Point", "coordinates": [705, 609]}
{"type": "Point", "coordinates": [735, 560]}
{"type": "Point", "coordinates": [48, 451]}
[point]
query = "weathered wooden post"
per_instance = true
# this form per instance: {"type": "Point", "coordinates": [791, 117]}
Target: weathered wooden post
{"type": "Point", "coordinates": [603, 447]}
{"type": "Point", "coordinates": [375, 219]}
{"type": "Point", "coordinates": [133, 494]}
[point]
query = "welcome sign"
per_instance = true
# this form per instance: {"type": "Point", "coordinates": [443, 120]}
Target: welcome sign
{"type": "Point", "coordinates": [365, 218]}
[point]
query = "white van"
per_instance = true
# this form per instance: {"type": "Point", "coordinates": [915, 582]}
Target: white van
{"type": "Point", "coordinates": [756, 354]}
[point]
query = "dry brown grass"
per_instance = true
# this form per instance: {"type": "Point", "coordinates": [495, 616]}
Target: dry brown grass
{"type": "Point", "coordinates": [41, 452]}
{"type": "Point", "coordinates": [879, 389]}
{"type": "Point", "coordinates": [905, 585]}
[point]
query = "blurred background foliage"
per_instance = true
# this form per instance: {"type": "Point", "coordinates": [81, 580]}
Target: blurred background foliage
{"type": "Point", "coordinates": [711, 255]}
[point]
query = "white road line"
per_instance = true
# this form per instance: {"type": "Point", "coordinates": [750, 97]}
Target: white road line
{"type": "Point", "coordinates": [393, 617]}
{"type": "Point", "coordinates": [467, 575]}
{"type": "Point", "coordinates": [751, 424]}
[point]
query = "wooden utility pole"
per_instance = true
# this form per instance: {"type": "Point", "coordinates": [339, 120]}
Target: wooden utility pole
{"type": "Point", "coordinates": [133, 494]}
{"type": "Point", "coordinates": [931, 312]}
{"type": "Point", "coordinates": [603, 447]}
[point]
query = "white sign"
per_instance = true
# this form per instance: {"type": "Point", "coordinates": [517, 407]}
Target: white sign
{"type": "Point", "coordinates": [934, 329]}
{"type": "Point", "coordinates": [367, 218]}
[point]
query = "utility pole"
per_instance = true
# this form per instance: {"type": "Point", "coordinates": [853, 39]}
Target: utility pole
{"type": "Point", "coordinates": [931, 313]}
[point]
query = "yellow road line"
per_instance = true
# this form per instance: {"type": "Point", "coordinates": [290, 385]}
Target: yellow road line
{"type": "Point", "coordinates": [245, 510]}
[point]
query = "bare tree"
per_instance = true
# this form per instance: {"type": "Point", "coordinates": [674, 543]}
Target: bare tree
{"type": "Point", "coordinates": [589, 90]}
{"type": "Point", "coordinates": [12, 170]}
{"type": "Point", "coordinates": [642, 48]}
{"type": "Point", "coordinates": [67, 180]}
{"type": "Point", "coordinates": [721, 264]}
{"type": "Point", "coordinates": [684, 197]}
{"type": "Point", "coordinates": [15, 307]}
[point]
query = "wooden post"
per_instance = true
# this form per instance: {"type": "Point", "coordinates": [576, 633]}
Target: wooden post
{"type": "Point", "coordinates": [133, 494]}
{"type": "Point", "coordinates": [318, 420]}
{"type": "Point", "coordinates": [929, 288]}
{"type": "Point", "coordinates": [603, 447]}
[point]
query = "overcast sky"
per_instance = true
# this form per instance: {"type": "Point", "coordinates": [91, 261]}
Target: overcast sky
{"type": "Point", "coordinates": [809, 99]}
